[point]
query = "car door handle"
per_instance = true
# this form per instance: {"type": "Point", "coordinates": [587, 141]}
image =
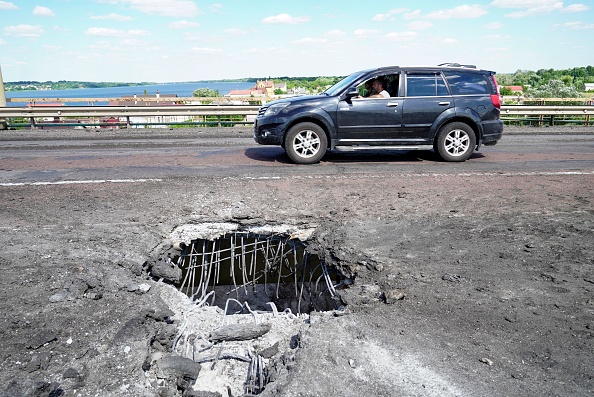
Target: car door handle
{"type": "Point", "coordinates": [392, 104]}
{"type": "Point", "coordinates": [444, 104]}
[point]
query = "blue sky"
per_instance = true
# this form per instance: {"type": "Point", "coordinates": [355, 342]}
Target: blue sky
{"type": "Point", "coordinates": [187, 40]}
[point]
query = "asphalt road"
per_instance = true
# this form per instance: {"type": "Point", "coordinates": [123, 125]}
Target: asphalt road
{"type": "Point", "coordinates": [79, 155]}
{"type": "Point", "coordinates": [491, 258]}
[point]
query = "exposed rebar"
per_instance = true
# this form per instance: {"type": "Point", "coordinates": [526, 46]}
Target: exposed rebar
{"type": "Point", "coordinates": [242, 262]}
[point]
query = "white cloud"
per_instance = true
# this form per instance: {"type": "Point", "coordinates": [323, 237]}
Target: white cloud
{"type": "Point", "coordinates": [381, 17]}
{"type": "Point", "coordinates": [309, 40]}
{"type": "Point", "coordinates": [366, 33]}
{"type": "Point", "coordinates": [24, 31]}
{"type": "Point", "coordinates": [2, 42]}
{"type": "Point", "coordinates": [182, 25]}
{"type": "Point", "coordinates": [401, 35]}
{"type": "Point", "coordinates": [536, 11]}
{"type": "Point", "coordinates": [167, 8]}
{"type": "Point", "coordinates": [4, 5]}
{"type": "Point", "coordinates": [522, 3]}
{"type": "Point", "coordinates": [449, 41]}
{"type": "Point", "coordinates": [463, 11]}
{"type": "Point", "coordinates": [112, 17]}
{"type": "Point", "coordinates": [236, 31]}
{"type": "Point", "coordinates": [498, 37]}
{"type": "Point", "coordinates": [494, 25]}
{"type": "Point", "coordinates": [335, 33]}
{"type": "Point", "coordinates": [536, 7]}
{"type": "Point", "coordinates": [388, 15]}
{"type": "Point", "coordinates": [202, 50]}
{"type": "Point", "coordinates": [132, 42]}
{"type": "Point", "coordinates": [41, 11]}
{"type": "Point", "coordinates": [137, 32]}
{"type": "Point", "coordinates": [578, 25]}
{"type": "Point", "coordinates": [285, 19]}
{"type": "Point", "coordinates": [107, 32]}
{"type": "Point", "coordinates": [216, 7]}
{"type": "Point", "coordinates": [420, 25]}
{"type": "Point", "coordinates": [413, 14]}
{"type": "Point", "coordinates": [576, 8]}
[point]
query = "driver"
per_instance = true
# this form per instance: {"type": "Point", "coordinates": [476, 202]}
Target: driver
{"type": "Point", "coordinates": [378, 89]}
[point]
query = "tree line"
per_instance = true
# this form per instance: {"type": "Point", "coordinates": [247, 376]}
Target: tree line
{"type": "Point", "coordinates": [63, 85]}
{"type": "Point", "coordinates": [548, 83]}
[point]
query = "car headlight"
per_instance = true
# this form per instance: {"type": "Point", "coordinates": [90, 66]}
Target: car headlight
{"type": "Point", "coordinates": [276, 108]}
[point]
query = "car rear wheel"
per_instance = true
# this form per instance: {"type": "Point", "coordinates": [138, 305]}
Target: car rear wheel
{"type": "Point", "coordinates": [306, 143]}
{"type": "Point", "coordinates": [455, 142]}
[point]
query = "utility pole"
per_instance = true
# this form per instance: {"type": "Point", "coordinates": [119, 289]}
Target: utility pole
{"type": "Point", "coordinates": [2, 93]}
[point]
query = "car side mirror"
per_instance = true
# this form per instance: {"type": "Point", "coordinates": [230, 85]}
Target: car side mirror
{"type": "Point", "coordinates": [352, 92]}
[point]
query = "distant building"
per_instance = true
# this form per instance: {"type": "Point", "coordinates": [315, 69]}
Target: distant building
{"type": "Point", "coordinates": [516, 89]}
{"type": "Point", "coordinates": [300, 91]}
{"type": "Point", "coordinates": [280, 86]}
{"type": "Point", "coordinates": [146, 100]}
{"type": "Point", "coordinates": [262, 88]}
{"type": "Point", "coordinates": [238, 93]}
{"type": "Point", "coordinates": [589, 87]}
{"type": "Point", "coordinates": [266, 86]}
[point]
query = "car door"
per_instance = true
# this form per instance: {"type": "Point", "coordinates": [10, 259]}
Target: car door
{"type": "Point", "coordinates": [426, 98]}
{"type": "Point", "coordinates": [371, 121]}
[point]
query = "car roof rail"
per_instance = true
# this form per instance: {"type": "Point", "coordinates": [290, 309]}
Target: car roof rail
{"type": "Point", "coordinates": [456, 65]}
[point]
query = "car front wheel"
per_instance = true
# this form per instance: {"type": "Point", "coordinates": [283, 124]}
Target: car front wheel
{"type": "Point", "coordinates": [455, 142]}
{"type": "Point", "coordinates": [306, 143]}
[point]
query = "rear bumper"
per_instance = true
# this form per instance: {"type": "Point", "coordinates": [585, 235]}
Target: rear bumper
{"type": "Point", "coordinates": [492, 131]}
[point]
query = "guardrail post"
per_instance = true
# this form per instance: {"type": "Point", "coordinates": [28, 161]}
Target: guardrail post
{"type": "Point", "coordinates": [33, 126]}
{"type": "Point", "coordinates": [552, 120]}
{"type": "Point", "coordinates": [128, 121]}
{"type": "Point", "coordinates": [219, 120]}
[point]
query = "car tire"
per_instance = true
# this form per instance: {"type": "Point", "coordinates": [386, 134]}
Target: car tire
{"type": "Point", "coordinates": [306, 143]}
{"type": "Point", "coordinates": [455, 142]}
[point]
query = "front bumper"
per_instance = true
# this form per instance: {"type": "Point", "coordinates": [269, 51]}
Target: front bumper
{"type": "Point", "coordinates": [267, 132]}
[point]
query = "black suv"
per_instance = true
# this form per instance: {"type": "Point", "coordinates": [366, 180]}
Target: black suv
{"type": "Point", "coordinates": [451, 108]}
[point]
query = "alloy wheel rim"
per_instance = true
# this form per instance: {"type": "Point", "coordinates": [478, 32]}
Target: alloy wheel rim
{"type": "Point", "coordinates": [457, 142]}
{"type": "Point", "coordinates": [306, 143]}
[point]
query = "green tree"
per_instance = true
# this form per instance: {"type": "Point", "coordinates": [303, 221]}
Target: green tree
{"type": "Point", "coordinates": [205, 92]}
{"type": "Point", "coordinates": [553, 89]}
{"type": "Point", "coordinates": [505, 91]}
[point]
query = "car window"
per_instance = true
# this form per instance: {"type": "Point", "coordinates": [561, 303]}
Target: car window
{"type": "Point", "coordinates": [425, 85]}
{"type": "Point", "coordinates": [463, 83]}
{"type": "Point", "coordinates": [390, 84]}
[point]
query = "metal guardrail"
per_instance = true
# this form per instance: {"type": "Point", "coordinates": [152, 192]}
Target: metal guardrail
{"type": "Point", "coordinates": [524, 113]}
{"type": "Point", "coordinates": [199, 114]}
{"type": "Point", "coordinates": [133, 115]}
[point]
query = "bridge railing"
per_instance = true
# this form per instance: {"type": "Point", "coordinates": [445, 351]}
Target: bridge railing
{"type": "Point", "coordinates": [225, 115]}
{"type": "Point", "coordinates": [128, 116]}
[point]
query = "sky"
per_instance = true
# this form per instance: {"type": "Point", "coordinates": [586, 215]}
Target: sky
{"type": "Point", "coordinates": [189, 40]}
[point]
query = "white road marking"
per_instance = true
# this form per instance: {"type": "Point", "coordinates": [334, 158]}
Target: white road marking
{"type": "Point", "coordinates": [80, 182]}
{"type": "Point", "coordinates": [412, 174]}
{"type": "Point", "coordinates": [330, 176]}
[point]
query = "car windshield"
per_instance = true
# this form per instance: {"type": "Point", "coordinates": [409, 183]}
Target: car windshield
{"type": "Point", "coordinates": [344, 83]}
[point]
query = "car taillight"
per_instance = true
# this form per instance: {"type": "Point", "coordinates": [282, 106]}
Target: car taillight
{"type": "Point", "coordinates": [495, 98]}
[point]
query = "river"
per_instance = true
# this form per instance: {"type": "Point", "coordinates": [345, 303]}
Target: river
{"type": "Point", "coordinates": [182, 90]}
